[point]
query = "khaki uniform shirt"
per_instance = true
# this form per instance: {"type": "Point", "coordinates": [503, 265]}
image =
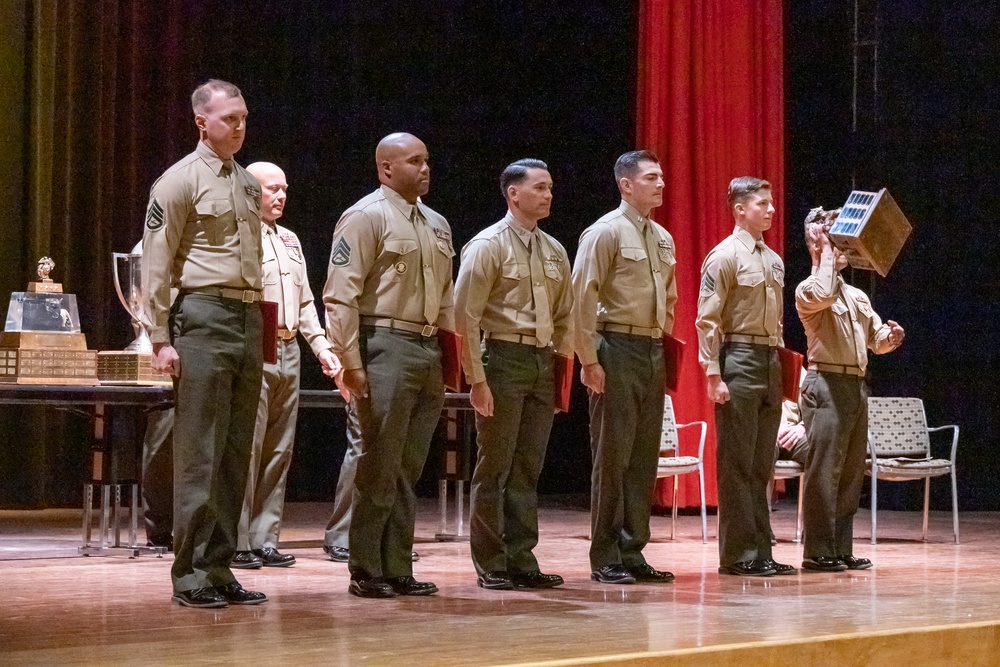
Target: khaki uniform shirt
{"type": "Point", "coordinates": [191, 237]}
{"type": "Point", "coordinates": [741, 293]}
{"type": "Point", "coordinates": [615, 282]}
{"type": "Point", "coordinates": [287, 284]}
{"type": "Point", "coordinates": [839, 321]}
{"type": "Point", "coordinates": [376, 269]}
{"type": "Point", "coordinates": [494, 290]}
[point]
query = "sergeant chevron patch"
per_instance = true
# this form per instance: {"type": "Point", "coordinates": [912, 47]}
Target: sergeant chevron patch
{"type": "Point", "coordinates": [707, 285]}
{"type": "Point", "coordinates": [154, 216]}
{"type": "Point", "coordinates": [341, 255]}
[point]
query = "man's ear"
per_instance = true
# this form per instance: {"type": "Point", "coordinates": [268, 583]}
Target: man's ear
{"type": "Point", "coordinates": [199, 121]}
{"type": "Point", "coordinates": [625, 185]}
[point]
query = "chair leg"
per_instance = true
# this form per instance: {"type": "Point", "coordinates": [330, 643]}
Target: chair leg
{"type": "Point", "coordinates": [874, 497]}
{"type": "Point", "coordinates": [954, 504]}
{"type": "Point", "coordinates": [673, 509]}
{"type": "Point", "coordinates": [704, 518]}
{"type": "Point", "coordinates": [798, 515]}
{"type": "Point", "coordinates": [927, 501]}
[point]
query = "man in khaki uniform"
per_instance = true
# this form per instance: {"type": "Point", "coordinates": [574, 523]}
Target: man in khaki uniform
{"type": "Point", "coordinates": [840, 327]}
{"type": "Point", "coordinates": [287, 284]}
{"type": "Point", "coordinates": [739, 331]}
{"type": "Point", "coordinates": [388, 289]}
{"type": "Point", "coordinates": [624, 294]}
{"type": "Point", "coordinates": [514, 293]}
{"type": "Point", "coordinates": [202, 236]}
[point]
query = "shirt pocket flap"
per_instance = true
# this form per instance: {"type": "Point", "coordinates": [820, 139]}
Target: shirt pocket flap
{"type": "Point", "coordinates": [750, 278]}
{"type": "Point", "coordinates": [514, 271]}
{"type": "Point", "coordinates": [400, 246]}
{"type": "Point", "coordinates": [633, 253]}
{"type": "Point", "coordinates": [213, 208]}
{"type": "Point", "coordinates": [838, 308]}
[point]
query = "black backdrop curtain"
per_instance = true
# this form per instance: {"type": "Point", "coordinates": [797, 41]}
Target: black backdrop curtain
{"type": "Point", "coordinates": [104, 109]}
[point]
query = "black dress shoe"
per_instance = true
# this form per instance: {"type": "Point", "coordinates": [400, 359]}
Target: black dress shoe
{"type": "Point", "coordinates": [535, 580]}
{"type": "Point", "coordinates": [645, 574]}
{"type": "Point", "coordinates": [165, 541]}
{"type": "Point", "coordinates": [779, 568]}
{"type": "Point", "coordinates": [853, 563]}
{"type": "Point", "coordinates": [748, 568]}
{"type": "Point", "coordinates": [206, 598]}
{"type": "Point", "coordinates": [270, 557]}
{"type": "Point", "coordinates": [371, 587]}
{"type": "Point", "coordinates": [337, 554]}
{"type": "Point", "coordinates": [410, 586]}
{"type": "Point", "coordinates": [246, 560]}
{"type": "Point", "coordinates": [824, 564]}
{"type": "Point", "coordinates": [235, 594]}
{"type": "Point", "coordinates": [612, 574]}
{"type": "Point", "coordinates": [498, 580]}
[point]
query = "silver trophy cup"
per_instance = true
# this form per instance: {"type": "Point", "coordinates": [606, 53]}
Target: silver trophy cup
{"type": "Point", "coordinates": [128, 284]}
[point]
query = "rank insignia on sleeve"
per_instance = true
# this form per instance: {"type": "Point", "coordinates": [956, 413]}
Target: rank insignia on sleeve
{"type": "Point", "coordinates": [341, 255]}
{"type": "Point", "coordinates": [154, 216]}
{"type": "Point", "coordinates": [707, 285]}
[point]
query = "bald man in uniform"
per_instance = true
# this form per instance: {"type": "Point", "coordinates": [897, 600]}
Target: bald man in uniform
{"type": "Point", "coordinates": [388, 289]}
{"type": "Point", "coordinates": [513, 303]}
{"type": "Point", "coordinates": [624, 295]}
{"type": "Point", "coordinates": [739, 330]}
{"type": "Point", "coordinates": [202, 236]}
{"type": "Point", "coordinates": [841, 327]}
{"type": "Point", "coordinates": [287, 284]}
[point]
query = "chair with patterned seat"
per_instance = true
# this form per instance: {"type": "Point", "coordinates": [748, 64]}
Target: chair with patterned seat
{"type": "Point", "coordinates": [789, 470]}
{"type": "Point", "coordinates": [672, 464]}
{"type": "Point", "coordinates": [899, 445]}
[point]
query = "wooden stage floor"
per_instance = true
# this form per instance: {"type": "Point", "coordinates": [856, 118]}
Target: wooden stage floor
{"type": "Point", "coordinates": [929, 603]}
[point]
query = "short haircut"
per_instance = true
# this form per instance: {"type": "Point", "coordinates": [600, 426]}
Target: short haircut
{"type": "Point", "coordinates": [516, 172]}
{"type": "Point", "coordinates": [203, 93]}
{"type": "Point", "coordinates": [819, 216]}
{"type": "Point", "coordinates": [627, 166]}
{"type": "Point", "coordinates": [742, 187]}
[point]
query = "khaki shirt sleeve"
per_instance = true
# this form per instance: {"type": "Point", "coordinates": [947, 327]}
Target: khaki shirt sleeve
{"type": "Point", "coordinates": [446, 312]}
{"type": "Point", "coordinates": [563, 323]}
{"type": "Point", "coordinates": [594, 257]}
{"type": "Point", "coordinates": [668, 325]}
{"type": "Point", "coordinates": [819, 291]}
{"type": "Point", "coordinates": [477, 274]}
{"type": "Point", "coordinates": [353, 253]}
{"type": "Point", "coordinates": [309, 324]}
{"type": "Point", "coordinates": [169, 202]}
{"type": "Point", "coordinates": [878, 335]}
{"type": "Point", "coordinates": [717, 275]}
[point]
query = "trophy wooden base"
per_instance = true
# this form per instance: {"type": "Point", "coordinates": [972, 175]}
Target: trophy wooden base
{"type": "Point", "coordinates": [129, 368]}
{"type": "Point", "coordinates": [50, 366]}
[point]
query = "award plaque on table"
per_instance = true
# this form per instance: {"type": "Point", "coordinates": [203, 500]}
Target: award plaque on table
{"type": "Point", "coordinates": [42, 342]}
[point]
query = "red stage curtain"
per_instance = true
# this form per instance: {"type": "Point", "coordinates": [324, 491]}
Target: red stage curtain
{"type": "Point", "coordinates": [710, 104]}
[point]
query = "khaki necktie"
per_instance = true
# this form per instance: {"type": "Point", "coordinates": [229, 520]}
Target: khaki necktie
{"type": "Point", "coordinates": [660, 292]}
{"type": "Point", "coordinates": [432, 297]}
{"type": "Point", "coordinates": [543, 313]}
{"type": "Point", "coordinates": [771, 302]}
{"type": "Point", "coordinates": [249, 257]}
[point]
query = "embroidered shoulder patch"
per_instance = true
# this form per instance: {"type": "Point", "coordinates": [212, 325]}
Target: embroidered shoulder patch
{"type": "Point", "coordinates": [341, 255]}
{"type": "Point", "coordinates": [707, 285]}
{"type": "Point", "coordinates": [154, 216]}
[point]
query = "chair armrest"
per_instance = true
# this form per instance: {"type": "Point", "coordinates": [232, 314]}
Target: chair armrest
{"type": "Point", "coordinates": [954, 438]}
{"type": "Point", "coordinates": [701, 442]}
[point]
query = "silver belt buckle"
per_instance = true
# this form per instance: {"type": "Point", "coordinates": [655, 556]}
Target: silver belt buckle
{"type": "Point", "coordinates": [428, 330]}
{"type": "Point", "coordinates": [249, 296]}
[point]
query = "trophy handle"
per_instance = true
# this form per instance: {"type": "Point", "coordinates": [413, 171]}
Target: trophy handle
{"type": "Point", "coordinates": [118, 287]}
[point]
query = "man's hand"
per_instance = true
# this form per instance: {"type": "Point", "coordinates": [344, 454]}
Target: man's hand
{"type": "Point", "coordinates": [718, 392]}
{"type": "Point", "coordinates": [356, 381]}
{"type": "Point", "coordinates": [896, 333]}
{"type": "Point", "coordinates": [819, 241]}
{"type": "Point", "coordinates": [789, 436]}
{"type": "Point", "coordinates": [482, 399]}
{"type": "Point", "coordinates": [165, 359]}
{"type": "Point", "coordinates": [334, 369]}
{"type": "Point", "coordinates": [592, 377]}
